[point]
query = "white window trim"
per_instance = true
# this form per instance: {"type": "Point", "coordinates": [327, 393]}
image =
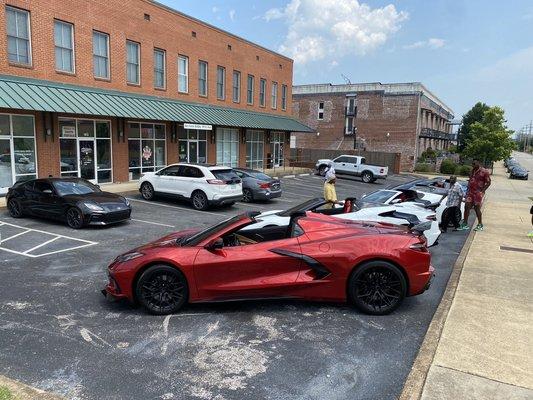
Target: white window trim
{"type": "Point", "coordinates": [164, 87]}
{"type": "Point", "coordinates": [253, 89]}
{"type": "Point", "coordinates": [30, 55]}
{"type": "Point", "coordinates": [262, 100]}
{"type": "Point", "coordinates": [73, 72]}
{"type": "Point", "coordinates": [284, 97]}
{"type": "Point", "coordinates": [186, 74]}
{"type": "Point", "coordinates": [223, 69]}
{"type": "Point", "coordinates": [138, 64]}
{"type": "Point", "coordinates": [108, 43]}
{"type": "Point", "coordinates": [238, 86]}
{"type": "Point", "coordinates": [274, 96]}
{"type": "Point", "coordinates": [206, 78]}
{"type": "Point", "coordinates": [320, 110]}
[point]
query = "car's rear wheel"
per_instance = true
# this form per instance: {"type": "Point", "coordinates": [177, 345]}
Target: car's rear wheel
{"type": "Point", "coordinates": [147, 191]}
{"type": "Point", "coordinates": [367, 177]}
{"type": "Point", "coordinates": [247, 196]}
{"type": "Point", "coordinates": [74, 218]}
{"type": "Point", "coordinates": [199, 200]}
{"type": "Point", "coordinates": [322, 170]}
{"type": "Point", "coordinates": [162, 289]}
{"type": "Point", "coordinates": [377, 287]}
{"type": "Point", "coordinates": [15, 208]}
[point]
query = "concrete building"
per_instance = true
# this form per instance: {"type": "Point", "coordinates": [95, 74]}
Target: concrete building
{"type": "Point", "coordinates": [109, 89]}
{"type": "Point", "coordinates": [401, 118]}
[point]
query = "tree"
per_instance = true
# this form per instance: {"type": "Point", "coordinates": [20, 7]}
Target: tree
{"type": "Point", "coordinates": [490, 140]}
{"type": "Point", "coordinates": [475, 114]}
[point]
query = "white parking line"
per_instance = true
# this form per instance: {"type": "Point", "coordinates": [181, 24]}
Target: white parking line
{"type": "Point", "coordinates": [40, 245]}
{"type": "Point", "coordinates": [153, 223]}
{"type": "Point", "coordinates": [12, 237]}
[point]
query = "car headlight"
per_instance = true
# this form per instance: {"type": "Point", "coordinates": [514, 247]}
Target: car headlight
{"type": "Point", "coordinates": [126, 201]}
{"type": "Point", "coordinates": [93, 206]}
{"type": "Point", "coordinates": [129, 256]}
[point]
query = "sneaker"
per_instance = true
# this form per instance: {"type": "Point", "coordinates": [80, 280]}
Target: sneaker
{"type": "Point", "coordinates": [478, 228]}
{"type": "Point", "coordinates": [463, 227]}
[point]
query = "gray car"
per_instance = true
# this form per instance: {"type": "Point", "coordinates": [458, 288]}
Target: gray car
{"type": "Point", "coordinates": [257, 185]}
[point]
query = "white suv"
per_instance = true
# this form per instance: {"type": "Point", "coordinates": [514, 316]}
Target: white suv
{"type": "Point", "coordinates": [202, 184]}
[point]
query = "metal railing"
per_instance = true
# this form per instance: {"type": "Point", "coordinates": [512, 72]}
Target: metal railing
{"type": "Point", "coordinates": [435, 134]}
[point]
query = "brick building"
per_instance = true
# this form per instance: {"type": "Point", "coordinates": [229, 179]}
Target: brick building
{"type": "Point", "coordinates": [109, 89]}
{"type": "Point", "coordinates": [401, 118]}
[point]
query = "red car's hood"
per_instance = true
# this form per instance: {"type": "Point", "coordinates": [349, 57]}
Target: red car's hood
{"type": "Point", "coordinates": [166, 241]}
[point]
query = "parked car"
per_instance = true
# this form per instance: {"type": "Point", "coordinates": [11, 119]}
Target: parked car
{"type": "Point", "coordinates": [257, 185]}
{"type": "Point", "coordinates": [225, 262]}
{"type": "Point", "coordinates": [518, 172]}
{"type": "Point", "coordinates": [203, 185]}
{"type": "Point", "coordinates": [74, 200]}
{"type": "Point", "coordinates": [353, 165]}
{"type": "Point", "coordinates": [511, 163]}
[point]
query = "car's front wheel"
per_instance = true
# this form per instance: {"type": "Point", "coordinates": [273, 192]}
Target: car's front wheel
{"type": "Point", "coordinates": [199, 200]}
{"type": "Point", "coordinates": [74, 218]}
{"type": "Point", "coordinates": [162, 289]}
{"type": "Point", "coordinates": [377, 287]}
{"type": "Point", "coordinates": [15, 208]}
{"type": "Point", "coordinates": [367, 177]}
{"type": "Point", "coordinates": [147, 191]}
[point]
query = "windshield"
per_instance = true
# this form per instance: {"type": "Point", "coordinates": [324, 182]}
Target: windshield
{"type": "Point", "coordinates": [306, 206]}
{"type": "Point", "coordinates": [204, 234]}
{"type": "Point", "coordinates": [64, 188]}
{"type": "Point", "coordinates": [381, 196]}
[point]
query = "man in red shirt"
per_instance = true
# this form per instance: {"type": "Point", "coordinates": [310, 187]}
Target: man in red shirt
{"type": "Point", "coordinates": [478, 183]}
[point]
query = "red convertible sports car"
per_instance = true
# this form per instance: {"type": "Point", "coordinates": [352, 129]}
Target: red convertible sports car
{"type": "Point", "coordinates": [316, 257]}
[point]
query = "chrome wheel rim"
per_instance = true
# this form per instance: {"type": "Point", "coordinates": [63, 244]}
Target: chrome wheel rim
{"type": "Point", "coordinates": [14, 208]}
{"type": "Point", "coordinates": [246, 196]}
{"type": "Point", "coordinates": [147, 191]}
{"type": "Point", "coordinates": [198, 201]}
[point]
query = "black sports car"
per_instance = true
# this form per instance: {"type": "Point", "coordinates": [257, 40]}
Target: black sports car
{"type": "Point", "coordinates": [518, 172]}
{"type": "Point", "coordinates": [76, 201]}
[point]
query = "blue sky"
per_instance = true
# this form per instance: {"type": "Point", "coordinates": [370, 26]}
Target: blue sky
{"type": "Point", "coordinates": [462, 50]}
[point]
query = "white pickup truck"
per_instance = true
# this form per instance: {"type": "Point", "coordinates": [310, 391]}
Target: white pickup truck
{"type": "Point", "coordinates": [353, 165]}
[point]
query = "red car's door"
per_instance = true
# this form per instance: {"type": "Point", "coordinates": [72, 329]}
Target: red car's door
{"type": "Point", "coordinates": [251, 270]}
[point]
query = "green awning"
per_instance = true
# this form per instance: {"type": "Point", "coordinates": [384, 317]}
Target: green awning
{"type": "Point", "coordinates": [37, 95]}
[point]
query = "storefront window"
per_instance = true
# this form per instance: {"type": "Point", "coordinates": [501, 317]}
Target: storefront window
{"type": "Point", "coordinates": [192, 146]}
{"type": "Point", "coordinates": [228, 147]}
{"type": "Point", "coordinates": [146, 146]}
{"type": "Point", "coordinates": [254, 149]}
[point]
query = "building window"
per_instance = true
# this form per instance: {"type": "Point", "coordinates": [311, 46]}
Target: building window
{"type": "Point", "coordinates": [133, 63]}
{"type": "Point", "coordinates": [228, 147]}
{"type": "Point", "coordinates": [221, 83]}
{"type": "Point", "coordinates": [320, 115]}
{"type": "Point", "coordinates": [262, 92]}
{"type": "Point", "coordinates": [183, 74]}
{"type": "Point", "coordinates": [236, 87]}
{"type": "Point", "coordinates": [18, 35]}
{"type": "Point", "coordinates": [85, 149]}
{"type": "Point", "coordinates": [159, 69]}
{"type": "Point", "coordinates": [192, 146]}
{"type": "Point", "coordinates": [17, 149]}
{"type": "Point", "coordinates": [202, 78]}
{"type": "Point", "coordinates": [274, 97]}
{"type": "Point", "coordinates": [100, 55]}
{"type": "Point", "coordinates": [283, 97]}
{"type": "Point", "coordinates": [250, 90]}
{"type": "Point", "coordinates": [64, 46]}
{"type": "Point", "coordinates": [349, 126]}
{"type": "Point", "coordinates": [146, 148]}
{"type": "Point", "coordinates": [255, 142]}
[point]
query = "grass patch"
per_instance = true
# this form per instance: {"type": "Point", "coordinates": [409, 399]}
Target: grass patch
{"type": "Point", "coordinates": [5, 394]}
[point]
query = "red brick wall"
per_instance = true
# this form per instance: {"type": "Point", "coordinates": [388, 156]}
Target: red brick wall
{"type": "Point", "coordinates": [166, 30]}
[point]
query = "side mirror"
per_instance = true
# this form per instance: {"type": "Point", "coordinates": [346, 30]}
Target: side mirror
{"type": "Point", "coordinates": [217, 244]}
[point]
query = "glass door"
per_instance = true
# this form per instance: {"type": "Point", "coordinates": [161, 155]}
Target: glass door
{"type": "Point", "coordinates": [6, 166]}
{"type": "Point", "coordinates": [193, 152]}
{"type": "Point", "coordinates": [87, 159]}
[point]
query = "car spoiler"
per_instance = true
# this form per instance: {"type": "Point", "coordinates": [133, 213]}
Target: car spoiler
{"type": "Point", "coordinates": [420, 228]}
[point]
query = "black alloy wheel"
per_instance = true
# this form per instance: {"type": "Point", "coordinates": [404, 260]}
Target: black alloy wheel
{"type": "Point", "coordinates": [74, 218]}
{"type": "Point", "coordinates": [377, 288]}
{"type": "Point", "coordinates": [147, 191]}
{"type": "Point", "coordinates": [15, 208]}
{"type": "Point", "coordinates": [199, 200]}
{"type": "Point", "coordinates": [247, 196]}
{"type": "Point", "coordinates": [367, 177]}
{"type": "Point", "coordinates": [162, 289]}
{"type": "Point", "coordinates": [322, 170]}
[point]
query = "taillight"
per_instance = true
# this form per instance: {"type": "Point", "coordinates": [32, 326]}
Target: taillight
{"type": "Point", "coordinates": [216, 182]}
{"type": "Point", "coordinates": [432, 217]}
{"type": "Point", "coordinates": [264, 185]}
{"type": "Point", "coordinates": [421, 246]}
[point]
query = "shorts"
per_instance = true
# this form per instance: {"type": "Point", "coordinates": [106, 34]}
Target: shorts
{"type": "Point", "coordinates": [475, 198]}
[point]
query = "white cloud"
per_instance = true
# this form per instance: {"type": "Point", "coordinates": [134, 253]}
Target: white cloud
{"type": "Point", "coordinates": [318, 29]}
{"type": "Point", "coordinates": [215, 9]}
{"type": "Point", "coordinates": [431, 43]}
{"type": "Point", "coordinates": [232, 15]}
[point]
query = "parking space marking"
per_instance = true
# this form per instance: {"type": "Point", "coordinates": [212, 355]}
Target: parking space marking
{"type": "Point", "coordinates": [153, 223]}
{"type": "Point", "coordinates": [169, 206]}
{"type": "Point", "coordinates": [55, 236]}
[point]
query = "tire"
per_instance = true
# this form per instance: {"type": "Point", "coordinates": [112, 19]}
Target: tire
{"type": "Point", "coordinates": [373, 180]}
{"type": "Point", "coordinates": [377, 288]}
{"type": "Point", "coordinates": [322, 170]}
{"type": "Point", "coordinates": [247, 196]}
{"type": "Point", "coordinates": [367, 177]}
{"type": "Point", "coordinates": [15, 208]}
{"type": "Point", "coordinates": [74, 218]}
{"type": "Point", "coordinates": [199, 200]}
{"type": "Point", "coordinates": [162, 289]}
{"type": "Point", "coordinates": [147, 191]}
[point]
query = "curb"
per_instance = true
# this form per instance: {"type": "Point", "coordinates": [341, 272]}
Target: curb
{"type": "Point", "coordinates": [414, 384]}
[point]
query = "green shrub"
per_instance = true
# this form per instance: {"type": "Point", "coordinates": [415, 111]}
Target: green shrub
{"type": "Point", "coordinates": [448, 167]}
{"type": "Point", "coordinates": [463, 170]}
{"type": "Point", "coordinates": [422, 167]}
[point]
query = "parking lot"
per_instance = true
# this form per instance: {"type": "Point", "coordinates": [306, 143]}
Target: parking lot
{"type": "Point", "coordinates": [58, 333]}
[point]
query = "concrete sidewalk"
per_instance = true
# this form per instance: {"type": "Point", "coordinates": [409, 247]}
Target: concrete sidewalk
{"type": "Point", "coordinates": [485, 348]}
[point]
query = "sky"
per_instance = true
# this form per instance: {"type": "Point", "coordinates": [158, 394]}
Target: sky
{"type": "Point", "coordinates": [463, 51]}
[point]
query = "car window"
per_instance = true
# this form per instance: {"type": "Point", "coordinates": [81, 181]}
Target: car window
{"type": "Point", "coordinates": [192, 172]}
{"type": "Point", "coordinates": [239, 174]}
{"type": "Point", "coordinates": [363, 160]}
{"type": "Point", "coordinates": [260, 175]}
{"type": "Point", "coordinates": [41, 186]}
{"type": "Point", "coordinates": [224, 174]}
{"type": "Point", "coordinates": [380, 196]}
{"type": "Point", "coordinates": [65, 188]}
{"type": "Point", "coordinates": [170, 171]}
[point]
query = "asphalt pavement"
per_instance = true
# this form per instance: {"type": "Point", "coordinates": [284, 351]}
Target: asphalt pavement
{"type": "Point", "coordinates": [58, 333]}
